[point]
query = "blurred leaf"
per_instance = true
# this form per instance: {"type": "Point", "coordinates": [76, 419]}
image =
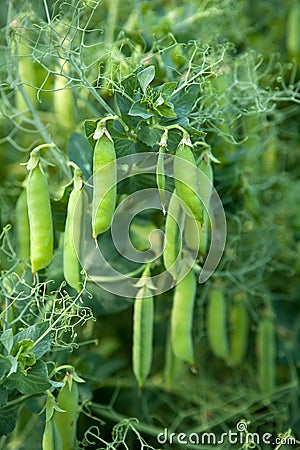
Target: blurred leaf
{"type": "Point", "coordinates": [59, 173]}
{"type": "Point", "coordinates": [103, 302]}
{"type": "Point", "coordinates": [80, 150]}
{"type": "Point", "coordinates": [8, 417]}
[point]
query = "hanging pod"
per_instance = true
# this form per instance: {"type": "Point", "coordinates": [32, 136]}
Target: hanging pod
{"type": "Point", "coordinates": [186, 179]}
{"type": "Point", "coordinates": [40, 218]}
{"type": "Point", "coordinates": [238, 330]}
{"type": "Point", "coordinates": [22, 227]}
{"type": "Point", "coordinates": [173, 239]}
{"type": "Point", "coordinates": [216, 323]}
{"type": "Point", "coordinates": [266, 355]}
{"type": "Point", "coordinates": [72, 234]}
{"type": "Point", "coordinates": [143, 318]}
{"type": "Point", "coordinates": [182, 318]}
{"type": "Point", "coordinates": [66, 419]}
{"type": "Point", "coordinates": [104, 181]}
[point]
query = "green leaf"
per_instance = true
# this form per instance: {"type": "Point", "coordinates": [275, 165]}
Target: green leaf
{"type": "Point", "coordinates": [8, 417]}
{"type": "Point", "coordinates": [13, 365]}
{"type": "Point", "coordinates": [7, 340]}
{"type": "Point", "coordinates": [184, 100]}
{"type": "Point", "coordinates": [80, 150]}
{"type": "Point", "coordinates": [5, 366]}
{"type": "Point", "coordinates": [130, 85]}
{"type": "Point", "coordinates": [3, 397]}
{"type": "Point", "coordinates": [145, 77]}
{"type": "Point", "coordinates": [33, 333]}
{"type": "Point", "coordinates": [139, 109]}
{"type": "Point", "coordinates": [90, 127]}
{"type": "Point", "coordinates": [33, 381]}
{"type": "Point", "coordinates": [22, 347]}
{"type": "Point", "coordinates": [59, 173]}
{"type": "Point", "coordinates": [147, 135]}
{"type": "Point", "coordinates": [166, 90]}
{"type": "Point", "coordinates": [124, 146]}
{"type": "Point", "coordinates": [102, 301]}
{"type": "Point", "coordinates": [166, 110]}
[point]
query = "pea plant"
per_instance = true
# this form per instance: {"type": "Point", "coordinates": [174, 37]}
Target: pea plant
{"type": "Point", "coordinates": [149, 240]}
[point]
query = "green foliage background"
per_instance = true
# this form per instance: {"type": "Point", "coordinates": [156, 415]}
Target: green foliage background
{"type": "Point", "coordinates": [237, 92]}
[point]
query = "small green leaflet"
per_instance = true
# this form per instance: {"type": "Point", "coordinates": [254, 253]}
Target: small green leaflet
{"type": "Point", "coordinates": [145, 77]}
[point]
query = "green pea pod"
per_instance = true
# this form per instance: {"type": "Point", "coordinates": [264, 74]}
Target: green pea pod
{"type": "Point", "coordinates": [72, 233]}
{"type": "Point", "coordinates": [196, 235]}
{"type": "Point", "coordinates": [172, 241]}
{"type": "Point", "coordinates": [160, 170]}
{"type": "Point", "coordinates": [206, 188]}
{"type": "Point", "coordinates": [271, 150]}
{"type": "Point", "coordinates": [239, 331]}
{"type": "Point", "coordinates": [104, 179]}
{"type": "Point", "coordinates": [40, 219]}
{"type": "Point", "coordinates": [292, 30]}
{"type": "Point", "coordinates": [216, 325]}
{"type": "Point", "coordinates": [266, 354]}
{"type": "Point", "coordinates": [27, 76]}
{"type": "Point", "coordinates": [186, 179]}
{"type": "Point", "coordinates": [22, 227]}
{"type": "Point", "coordinates": [63, 102]}
{"type": "Point", "coordinates": [142, 334]}
{"type": "Point", "coordinates": [173, 366]}
{"type": "Point", "coordinates": [66, 421]}
{"type": "Point", "coordinates": [182, 318]}
{"type": "Point", "coordinates": [51, 437]}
